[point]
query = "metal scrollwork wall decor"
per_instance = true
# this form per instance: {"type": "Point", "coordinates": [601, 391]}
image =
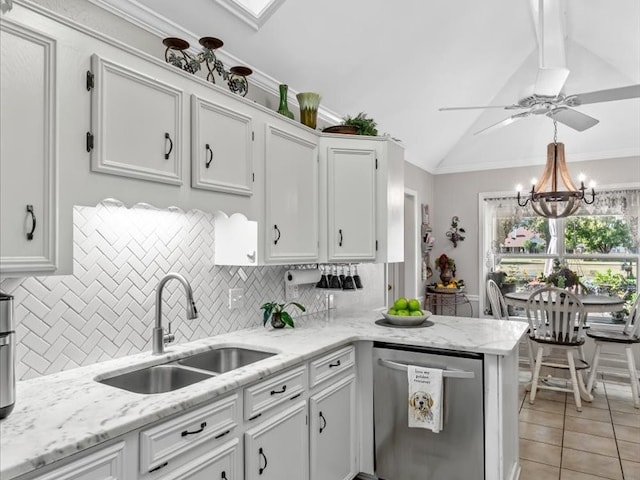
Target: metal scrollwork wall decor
{"type": "Point", "coordinates": [455, 233]}
{"type": "Point", "coordinates": [177, 55]}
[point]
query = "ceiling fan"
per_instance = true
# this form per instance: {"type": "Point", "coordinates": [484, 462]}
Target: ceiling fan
{"type": "Point", "coordinates": [547, 97]}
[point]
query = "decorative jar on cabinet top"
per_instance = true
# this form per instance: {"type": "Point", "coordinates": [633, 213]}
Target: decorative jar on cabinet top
{"type": "Point", "coordinates": [283, 108]}
{"type": "Point", "coordinates": [309, 103]}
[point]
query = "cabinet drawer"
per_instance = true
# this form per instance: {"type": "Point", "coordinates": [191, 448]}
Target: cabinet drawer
{"type": "Point", "coordinates": [222, 463]}
{"type": "Point", "coordinates": [274, 391]}
{"type": "Point", "coordinates": [331, 364]}
{"type": "Point", "coordinates": [106, 464]}
{"type": "Point", "coordinates": [164, 442]}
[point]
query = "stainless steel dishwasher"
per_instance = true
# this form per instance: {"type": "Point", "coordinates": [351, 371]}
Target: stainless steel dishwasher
{"type": "Point", "coordinates": [403, 453]}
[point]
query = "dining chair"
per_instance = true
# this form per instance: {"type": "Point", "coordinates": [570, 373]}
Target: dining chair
{"type": "Point", "coordinates": [619, 352]}
{"type": "Point", "coordinates": [556, 318]}
{"type": "Point", "coordinates": [496, 301]}
{"type": "Point", "coordinates": [500, 311]}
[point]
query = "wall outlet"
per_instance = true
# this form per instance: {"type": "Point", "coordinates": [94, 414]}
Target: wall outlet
{"type": "Point", "coordinates": [291, 292]}
{"type": "Point", "coordinates": [236, 298]}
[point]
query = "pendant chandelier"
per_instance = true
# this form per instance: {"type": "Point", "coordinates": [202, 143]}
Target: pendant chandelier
{"type": "Point", "coordinates": [546, 200]}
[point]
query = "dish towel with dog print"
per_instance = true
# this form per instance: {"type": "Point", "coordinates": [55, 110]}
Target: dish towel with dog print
{"type": "Point", "coordinates": [425, 397]}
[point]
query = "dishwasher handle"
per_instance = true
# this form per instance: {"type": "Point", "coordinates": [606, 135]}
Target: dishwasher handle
{"type": "Point", "coordinates": [445, 373]}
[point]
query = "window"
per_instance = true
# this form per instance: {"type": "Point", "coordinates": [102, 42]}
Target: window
{"type": "Point", "coordinates": [600, 243]}
{"type": "Point", "coordinates": [254, 12]}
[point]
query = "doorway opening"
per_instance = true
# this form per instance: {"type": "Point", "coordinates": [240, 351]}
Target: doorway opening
{"type": "Point", "coordinates": [403, 277]}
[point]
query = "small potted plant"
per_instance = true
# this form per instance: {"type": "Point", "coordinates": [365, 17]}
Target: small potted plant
{"type": "Point", "coordinates": [278, 315]}
{"type": "Point", "coordinates": [364, 125]}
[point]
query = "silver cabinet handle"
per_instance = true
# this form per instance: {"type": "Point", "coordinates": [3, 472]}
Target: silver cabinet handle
{"type": "Point", "coordinates": [445, 373]}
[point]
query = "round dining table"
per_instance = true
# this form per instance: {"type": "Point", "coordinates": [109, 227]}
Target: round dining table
{"type": "Point", "coordinates": [592, 303]}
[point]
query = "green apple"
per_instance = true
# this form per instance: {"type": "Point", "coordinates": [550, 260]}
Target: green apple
{"type": "Point", "coordinates": [401, 304]}
{"type": "Point", "coordinates": [414, 305]}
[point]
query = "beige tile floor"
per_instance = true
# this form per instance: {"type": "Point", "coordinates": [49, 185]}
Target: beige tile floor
{"type": "Point", "coordinates": [559, 443]}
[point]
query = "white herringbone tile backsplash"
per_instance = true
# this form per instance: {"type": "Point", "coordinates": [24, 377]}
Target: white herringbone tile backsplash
{"type": "Point", "coordinates": [106, 308]}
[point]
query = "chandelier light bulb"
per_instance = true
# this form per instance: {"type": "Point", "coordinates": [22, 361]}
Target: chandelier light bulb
{"type": "Point", "coordinates": [582, 177]}
{"type": "Point", "coordinates": [519, 187]}
{"type": "Point", "coordinates": [534, 180]}
{"type": "Point", "coordinates": [592, 184]}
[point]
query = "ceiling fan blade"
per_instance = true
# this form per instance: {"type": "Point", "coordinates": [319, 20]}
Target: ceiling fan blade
{"type": "Point", "coordinates": [609, 95]}
{"type": "Point", "coordinates": [502, 123]}
{"type": "Point", "coordinates": [572, 118]}
{"type": "Point", "coordinates": [549, 81]}
{"type": "Point", "coordinates": [505, 107]}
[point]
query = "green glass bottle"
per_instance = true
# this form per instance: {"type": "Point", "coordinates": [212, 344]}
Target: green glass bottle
{"type": "Point", "coordinates": [283, 108]}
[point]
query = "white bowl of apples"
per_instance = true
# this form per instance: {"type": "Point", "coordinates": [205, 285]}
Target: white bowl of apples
{"type": "Point", "coordinates": [406, 312]}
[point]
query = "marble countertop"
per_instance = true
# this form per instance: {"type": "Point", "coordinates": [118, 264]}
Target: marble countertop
{"type": "Point", "coordinates": [60, 414]}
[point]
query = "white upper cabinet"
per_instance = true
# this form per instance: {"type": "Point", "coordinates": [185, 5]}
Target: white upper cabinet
{"type": "Point", "coordinates": [291, 194]}
{"type": "Point", "coordinates": [362, 191]}
{"type": "Point", "coordinates": [351, 227]}
{"type": "Point", "coordinates": [221, 147]}
{"type": "Point", "coordinates": [136, 124]}
{"type": "Point", "coordinates": [28, 150]}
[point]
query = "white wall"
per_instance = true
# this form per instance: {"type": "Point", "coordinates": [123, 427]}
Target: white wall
{"type": "Point", "coordinates": [421, 182]}
{"type": "Point", "coordinates": [457, 195]}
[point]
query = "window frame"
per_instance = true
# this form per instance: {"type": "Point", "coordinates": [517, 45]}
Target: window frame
{"type": "Point", "coordinates": [488, 260]}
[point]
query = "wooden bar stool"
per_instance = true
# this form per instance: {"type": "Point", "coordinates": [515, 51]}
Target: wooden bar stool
{"type": "Point", "coordinates": [620, 353]}
{"type": "Point", "coordinates": [556, 318]}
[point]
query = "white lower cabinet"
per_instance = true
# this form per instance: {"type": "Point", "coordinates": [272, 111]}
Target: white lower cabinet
{"type": "Point", "coordinates": [332, 431]}
{"type": "Point", "coordinates": [167, 445]}
{"type": "Point", "coordinates": [224, 463]}
{"type": "Point", "coordinates": [276, 449]}
{"type": "Point", "coordinates": [105, 464]}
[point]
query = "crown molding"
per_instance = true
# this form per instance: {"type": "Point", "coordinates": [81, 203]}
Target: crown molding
{"type": "Point", "coordinates": [160, 26]}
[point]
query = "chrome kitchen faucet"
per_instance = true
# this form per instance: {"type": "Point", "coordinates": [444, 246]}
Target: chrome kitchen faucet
{"type": "Point", "coordinates": [159, 337]}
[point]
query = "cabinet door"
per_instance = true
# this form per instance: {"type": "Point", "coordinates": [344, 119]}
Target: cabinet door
{"type": "Point", "coordinates": [221, 148]}
{"type": "Point", "coordinates": [332, 430]}
{"type": "Point", "coordinates": [28, 188]}
{"type": "Point", "coordinates": [291, 196]}
{"type": "Point", "coordinates": [351, 188]}
{"type": "Point", "coordinates": [277, 448]}
{"type": "Point", "coordinates": [136, 124]}
{"type": "Point", "coordinates": [223, 463]}
{"type": "Point", "coordinates": [105, 464]}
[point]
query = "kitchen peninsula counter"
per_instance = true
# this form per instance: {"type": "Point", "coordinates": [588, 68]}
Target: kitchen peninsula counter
{"type": "Point", "coordinates": [64, 413]}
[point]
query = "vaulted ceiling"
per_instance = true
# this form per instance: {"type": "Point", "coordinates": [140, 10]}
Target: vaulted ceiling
{"type": "Point", "coordinates": [401, 61]}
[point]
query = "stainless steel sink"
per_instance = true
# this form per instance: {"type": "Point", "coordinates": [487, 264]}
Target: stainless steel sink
{"type": "Point", "coordinates": [224, 359]}
{"type": "Point", "coordinates": [156, 379]}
